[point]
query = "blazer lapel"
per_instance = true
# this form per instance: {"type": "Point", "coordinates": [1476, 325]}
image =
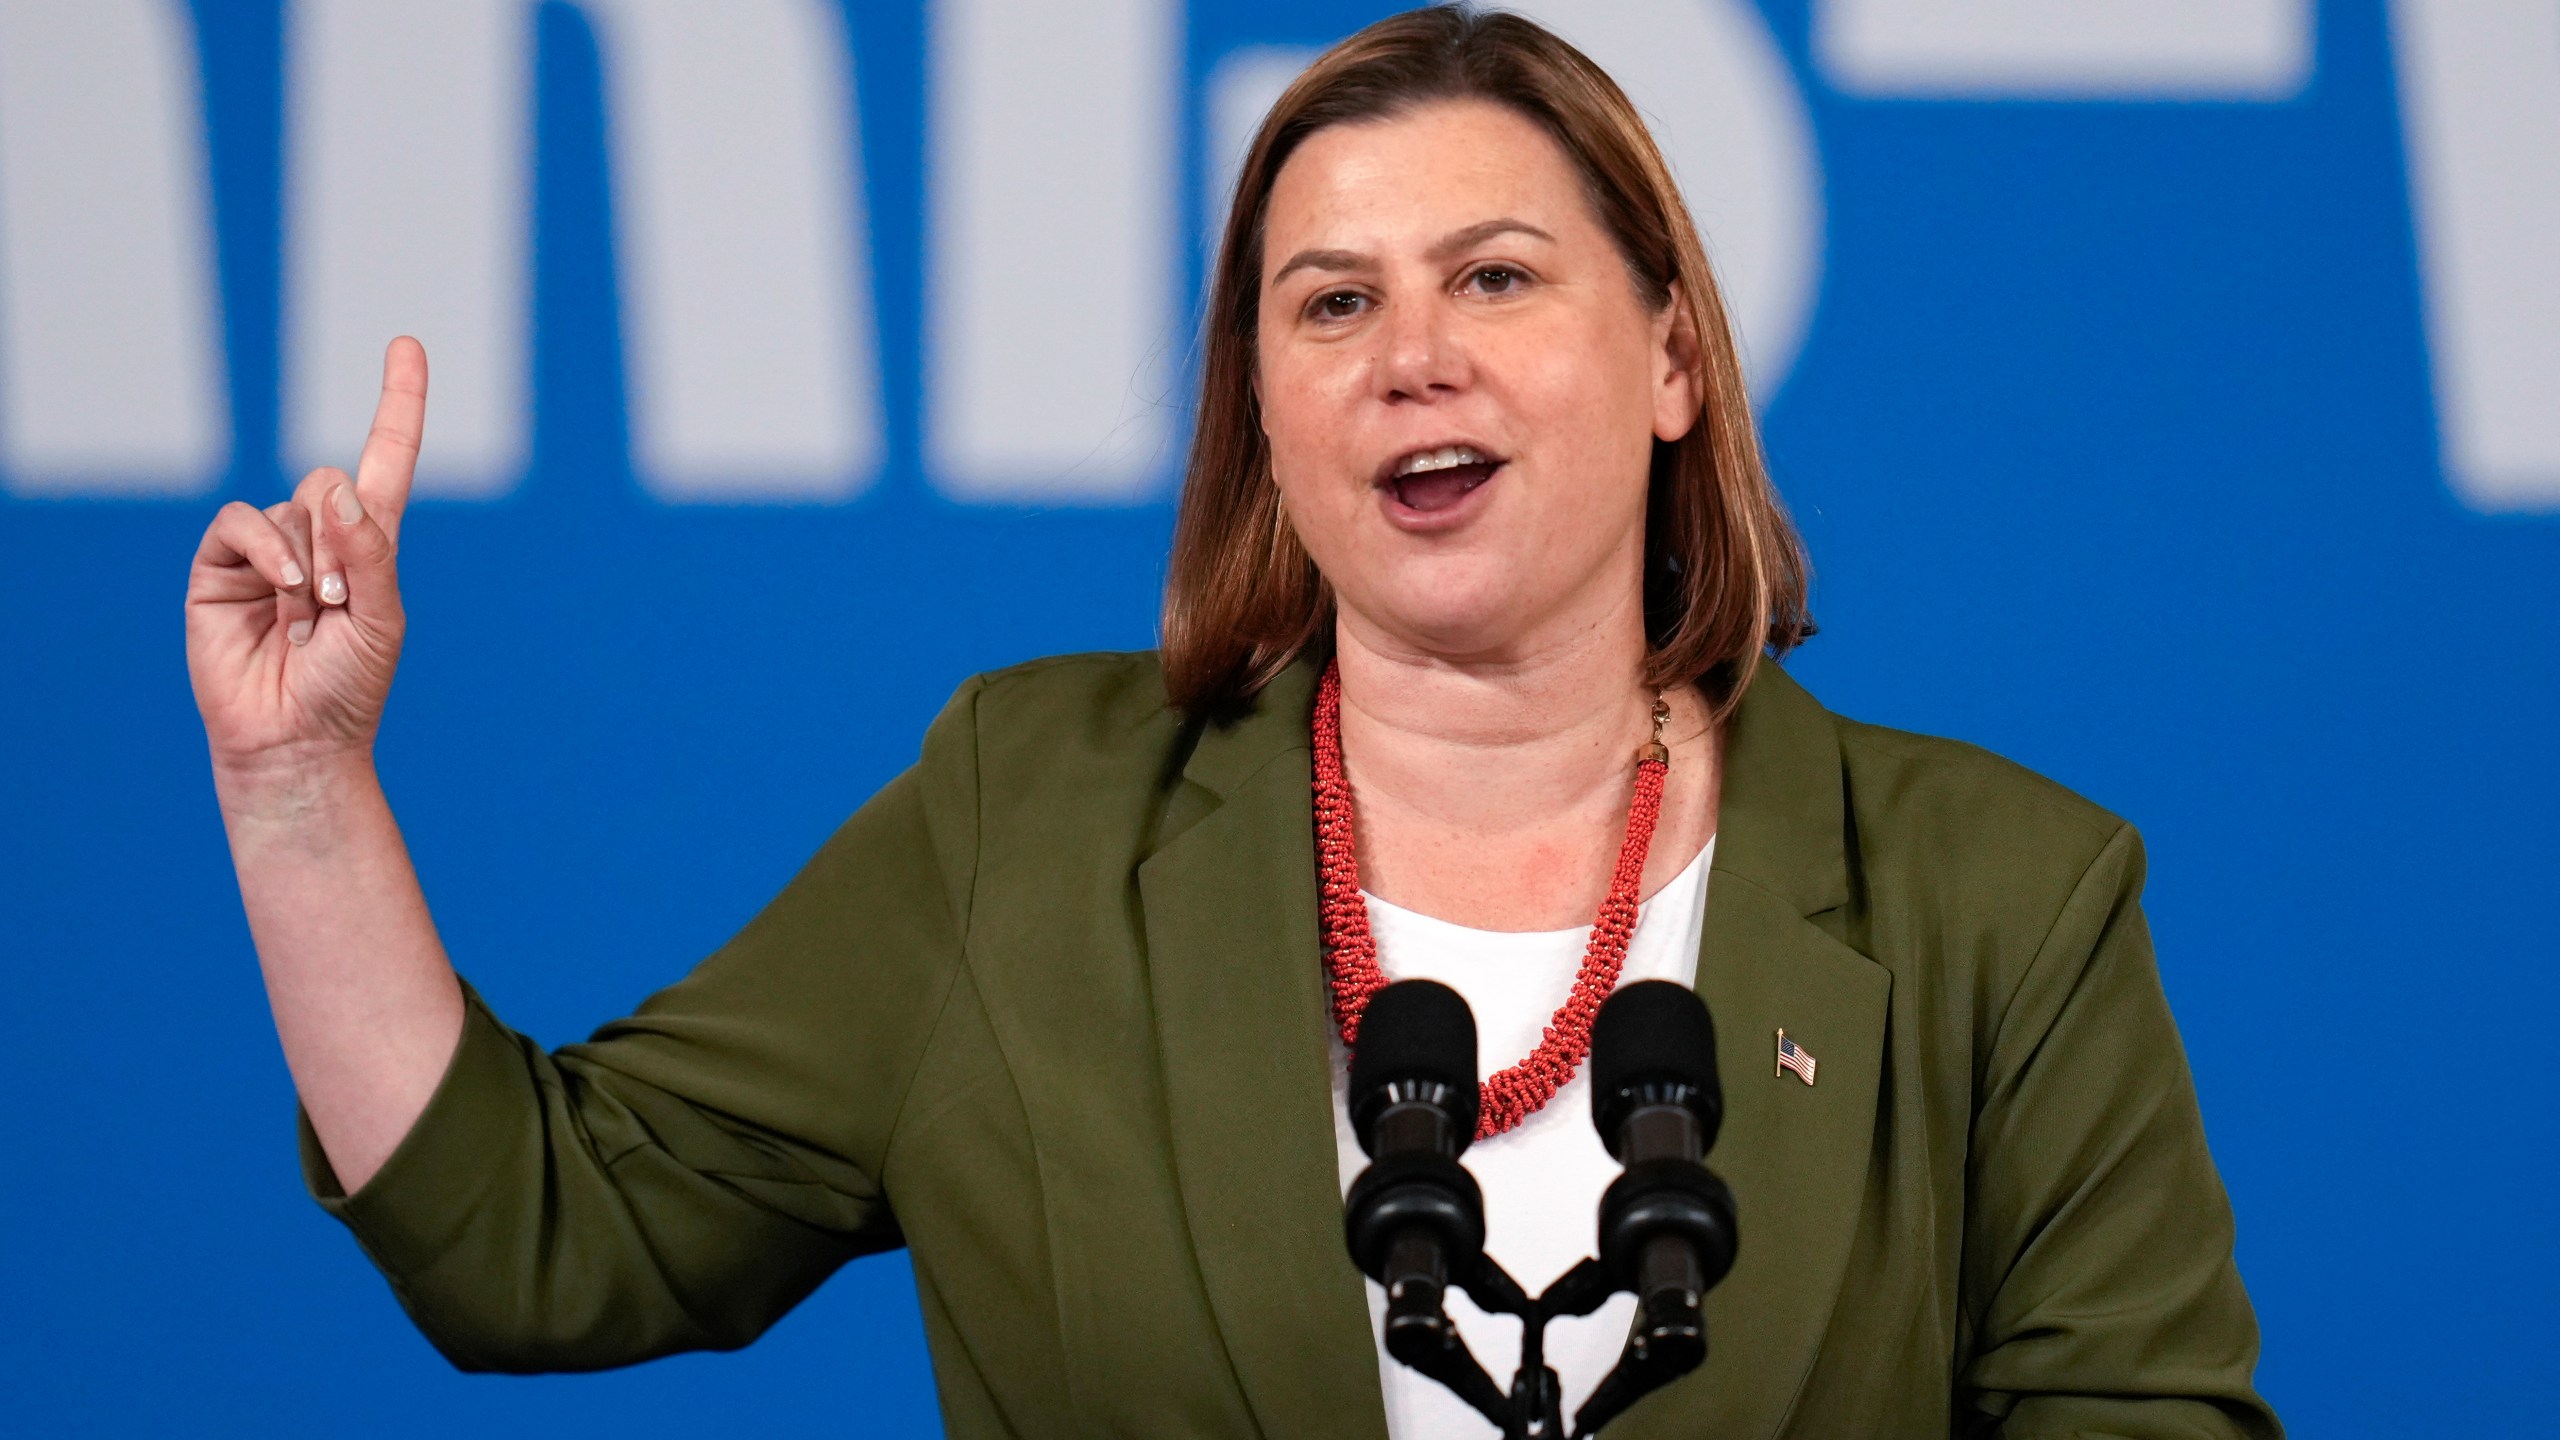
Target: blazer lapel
{"type": "Point", "coordinates": [1796, 1155]}
{"type": "Point", "coordinates": [1232, 959]}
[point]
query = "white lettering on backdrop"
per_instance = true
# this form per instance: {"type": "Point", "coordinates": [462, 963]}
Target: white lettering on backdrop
{"type": "Point", "coordinates": [2480, 105]}
{"type": "Point", "coordinates": [406, 182]}
{"type": "Point", "coordinates": [112, 381]}
{"type": "Point", "coordinates": [1052, 348]}
{"type": "Point", "coordinates": [745, 283]}
{"type": "Point", "coordinates": [2066, 49]}
{"type": "Point", "coordinates": [1051, 341]}
{"type": "Point", "coordinates": [752, 361]}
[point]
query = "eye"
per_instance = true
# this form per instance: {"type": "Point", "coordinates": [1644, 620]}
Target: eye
{"type": "Point", "coordinates": [1337, 305]}
{"type": "Point", "coordinates": [1496, 280]}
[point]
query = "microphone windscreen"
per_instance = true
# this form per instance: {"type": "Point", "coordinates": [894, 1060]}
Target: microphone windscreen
{"type": "Point", "coordinates": [1653, 1031]}
{"type": "Point", "coordinates": [1415, 1030]}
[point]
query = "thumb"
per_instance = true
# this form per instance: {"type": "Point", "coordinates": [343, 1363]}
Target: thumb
{"type": "Point", "coordinates": [367, 557]}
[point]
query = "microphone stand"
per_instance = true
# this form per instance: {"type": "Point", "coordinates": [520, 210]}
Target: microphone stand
{"type": "Point", "coordinates": [1663, 1348]}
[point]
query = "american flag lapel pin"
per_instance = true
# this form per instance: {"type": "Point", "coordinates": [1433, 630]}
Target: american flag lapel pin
{"type": "Point", "coordinates": [1792, 1056]}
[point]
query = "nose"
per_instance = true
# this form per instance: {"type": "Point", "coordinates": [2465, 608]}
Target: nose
{"type": "Point", "coordinates": [1421, 354]}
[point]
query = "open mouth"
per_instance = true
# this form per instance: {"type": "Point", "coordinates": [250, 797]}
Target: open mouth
{"type": "Point", "coordinates": [1429, 480]}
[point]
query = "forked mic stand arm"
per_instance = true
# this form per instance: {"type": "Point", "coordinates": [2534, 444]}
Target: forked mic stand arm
{"type": "Point", "coordinates": [1668, 1342]}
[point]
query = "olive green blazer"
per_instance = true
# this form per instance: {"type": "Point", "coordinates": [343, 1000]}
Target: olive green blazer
{"type": "Point", "coordinates": [1048, 1011]}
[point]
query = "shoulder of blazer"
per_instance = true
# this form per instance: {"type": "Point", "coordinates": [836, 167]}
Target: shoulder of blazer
{"type": "Point", "coordinates": [1911, 848]}
{"type": "Point", "coordinates": [1947, 819]}
{"type": "Point", "coordinates": [1069, 721]}
{"type": "Point", "coordinates": [1101, 701]}
{"type": "Point", "coordinates": [1064, 726]}
{"type": "Point", "coordinates": [1964, 863]}
{"type": "Point", "coordinates": [1080, 754]}
{"type": "Point", "coordinates": [1090, 734]}
{"type": "Point", "coordinates": [1950, 778]}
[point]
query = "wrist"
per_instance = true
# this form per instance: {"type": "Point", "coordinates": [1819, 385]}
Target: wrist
{"type": "Point", "coordinates": [292, 789]}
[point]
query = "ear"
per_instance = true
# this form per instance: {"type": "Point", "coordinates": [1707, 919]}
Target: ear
{"type": "Point", "coordinates": [1679, 369]}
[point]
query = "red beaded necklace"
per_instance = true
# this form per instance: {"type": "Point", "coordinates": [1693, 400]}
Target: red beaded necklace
{"type": "Point", "coordinates": [1351, 952]}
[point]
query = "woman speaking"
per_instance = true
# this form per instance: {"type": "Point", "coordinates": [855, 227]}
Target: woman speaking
{"type": "Point", "coordinates": [1475, 515]}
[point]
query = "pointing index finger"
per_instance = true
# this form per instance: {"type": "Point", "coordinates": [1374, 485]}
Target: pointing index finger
{"type": "Point", "coordinates": [390, 458]}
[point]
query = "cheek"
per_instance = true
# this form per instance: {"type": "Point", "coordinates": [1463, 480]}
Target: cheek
{"type": "Point", "coordinates": [1303, 403]}
{"type": "Point", "coordinates": [1588, 405]}
{"type": "Point", "coordinates": [1582, 405]}
{"type": "Point", "coordinates": [1294, 429]}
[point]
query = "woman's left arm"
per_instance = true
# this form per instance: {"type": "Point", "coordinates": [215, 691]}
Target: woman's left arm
{"type": "Point", "coordinates": [2100, 1292]}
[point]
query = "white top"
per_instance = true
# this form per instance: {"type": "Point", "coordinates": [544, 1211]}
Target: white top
{"type": "Point", "coordinates": [1542, 1180]}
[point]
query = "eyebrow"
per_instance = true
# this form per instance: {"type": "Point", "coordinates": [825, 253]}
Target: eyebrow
{"type": "Point", "coordinates": [1455, 242]}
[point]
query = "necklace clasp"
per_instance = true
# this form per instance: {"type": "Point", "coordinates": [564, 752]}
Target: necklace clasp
{"type": "Point", "coordinates": [1654, 751]}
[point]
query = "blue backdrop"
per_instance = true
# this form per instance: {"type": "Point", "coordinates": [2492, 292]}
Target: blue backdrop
{"type": "Point", "coordinates": [2112, 436]}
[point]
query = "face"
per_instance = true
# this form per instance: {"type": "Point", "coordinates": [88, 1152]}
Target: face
{"type": "Point", "coordinates": [1460, 383]}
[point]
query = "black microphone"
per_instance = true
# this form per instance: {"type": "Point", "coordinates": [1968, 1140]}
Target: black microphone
{"type": "Point", "coordinates": [1415, 1218]}
{"type": "Point", "coordinates": [1667, 1224]}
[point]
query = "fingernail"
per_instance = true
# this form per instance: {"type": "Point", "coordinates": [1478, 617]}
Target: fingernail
{"type": "Point", "coordinates": [333, 589]}
{"type": "Point", "coordinates": [299, 632]}
{"type": "Point", "coordinates": [292, 574]}
{"type": "Point", "coordinates": [350, 509]}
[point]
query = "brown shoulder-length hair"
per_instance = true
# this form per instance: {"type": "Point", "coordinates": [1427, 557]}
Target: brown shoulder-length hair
{"type": "Point", "coordinates": [1725, 574]}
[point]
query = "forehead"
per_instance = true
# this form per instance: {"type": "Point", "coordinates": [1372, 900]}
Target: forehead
{"type": "Point", "coordinates": [1412, 177]}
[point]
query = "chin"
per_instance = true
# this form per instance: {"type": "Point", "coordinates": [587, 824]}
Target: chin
{"type": "Point", "coordinates": [1451, 616]}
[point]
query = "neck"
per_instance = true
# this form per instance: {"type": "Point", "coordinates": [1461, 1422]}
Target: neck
{"type": "Point", "coordinates": [1496, 743]}
{"type": "Point", "coordinates": [1493, 791]}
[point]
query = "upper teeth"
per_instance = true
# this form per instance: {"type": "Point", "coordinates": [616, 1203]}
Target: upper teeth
{"type": "Point", "coordinates": [1445, 458]}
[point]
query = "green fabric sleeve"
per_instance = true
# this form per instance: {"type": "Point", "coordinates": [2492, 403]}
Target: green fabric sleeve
{"type": "Point", "coordinates": [2102, 1297]}
{"type": "Point", "coordinates": [687, 1175]}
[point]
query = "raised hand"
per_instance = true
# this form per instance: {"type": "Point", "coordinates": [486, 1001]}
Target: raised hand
{"type": "Point", "coordinates": [294, 620]}
{"type": "Point", "coordinates": [293, 632]}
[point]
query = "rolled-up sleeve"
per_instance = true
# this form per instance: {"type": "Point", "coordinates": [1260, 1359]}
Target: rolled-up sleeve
{"type": "Point", "coordinates": [687, 1175]}
{"type": "Point", "coordinates": [2100, 1289]}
